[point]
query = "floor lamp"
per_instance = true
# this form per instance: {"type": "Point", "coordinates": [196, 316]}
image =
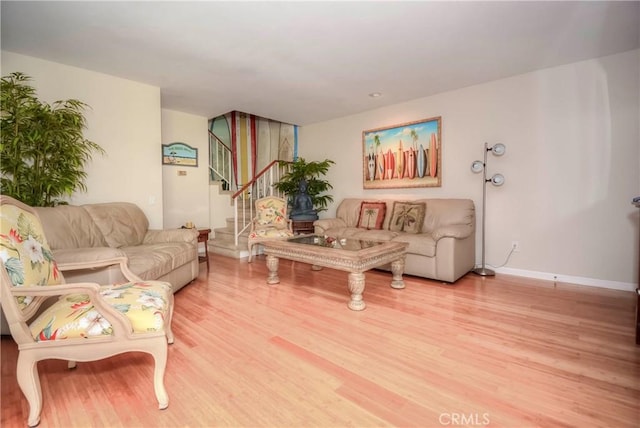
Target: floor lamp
{"type": "Point", "coordinates": [496, 180]}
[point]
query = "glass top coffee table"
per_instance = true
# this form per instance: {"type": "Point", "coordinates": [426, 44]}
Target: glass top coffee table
{"type": "Point", "coordinates": [347, 254]}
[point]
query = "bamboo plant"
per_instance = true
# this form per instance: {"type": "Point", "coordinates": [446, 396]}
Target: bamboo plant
{"type": "Point", "coordinates": [43, 151]}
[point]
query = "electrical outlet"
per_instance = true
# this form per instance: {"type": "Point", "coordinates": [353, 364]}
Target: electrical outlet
{"type": "Point", "coordinates": [515, 245]}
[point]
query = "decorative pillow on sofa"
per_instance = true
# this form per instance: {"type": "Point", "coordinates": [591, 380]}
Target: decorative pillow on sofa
{"type": "Point", "coordinates": [407, 217]}
{"type": "Point", "coordinates": [372, 215]}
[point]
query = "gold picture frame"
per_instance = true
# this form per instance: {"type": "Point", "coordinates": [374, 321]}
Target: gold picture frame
{"type": "Point", "coordinates": [402, 156]}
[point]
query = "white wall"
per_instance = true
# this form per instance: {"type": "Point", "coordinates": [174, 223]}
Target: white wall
{"type": "Point", "coordinates": [571, 166]}
{"type": "Point", "coordinates": [124, 119]}
{"type": "Point", "coordinates": [186, 197]}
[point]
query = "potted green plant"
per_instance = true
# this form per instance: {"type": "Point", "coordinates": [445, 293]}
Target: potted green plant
{"type": "Point", "coordinates": [312, 173]}
{"type": "Point", "coordinates": [42, 147]}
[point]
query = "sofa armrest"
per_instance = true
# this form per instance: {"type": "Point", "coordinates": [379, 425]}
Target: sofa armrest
{"type": "Point", "coordinates": [458, 231]}
{"type": "Point", "coordinates": [158, 236]}
{"type": "Point", "coordinates": [322, 225]}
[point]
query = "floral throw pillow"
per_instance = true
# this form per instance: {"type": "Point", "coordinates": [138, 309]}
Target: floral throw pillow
{"type": "Point", "coordinates": [25, 252]}
{"type": "Point", "coordinates": [372, 215]}
{"type": "Point", "coordinates": [407, 217]}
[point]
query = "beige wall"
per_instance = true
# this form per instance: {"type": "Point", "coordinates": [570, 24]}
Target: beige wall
{"type": "Point", "coordinates": [124, 119]}
{"type": "Point", "coordinates": [571, 165]}
{"type": "Point", "coordinates": [572, 161]}
{"type": "Point", "coordinates": [186, 197]}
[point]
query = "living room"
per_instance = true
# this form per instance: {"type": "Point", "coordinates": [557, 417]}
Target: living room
{"type": "Point", "coordinates": [564, 178]}
{"type": "Point", "coordinates": [571, 164]}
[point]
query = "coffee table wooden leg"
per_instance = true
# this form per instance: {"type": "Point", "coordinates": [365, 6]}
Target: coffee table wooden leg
{"type": "Point", "coordinates": [272, 265]}
{"type": "Point", "coordinates": [397, 268]}
{"type": "Point", "coordinates": [356, 288]}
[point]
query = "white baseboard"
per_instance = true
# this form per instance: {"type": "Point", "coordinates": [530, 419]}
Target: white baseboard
{"type": "Point", "coordinates": [591, 282]}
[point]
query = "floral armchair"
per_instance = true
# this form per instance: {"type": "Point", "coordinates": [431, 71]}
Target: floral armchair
{"type": "Point", "coordinates": [270, 222]}
{"type": "Point", "coordinates": [87, 322]}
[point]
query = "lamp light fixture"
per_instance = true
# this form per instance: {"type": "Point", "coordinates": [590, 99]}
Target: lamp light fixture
{"type": "Point", "coordinates": [496, 180]}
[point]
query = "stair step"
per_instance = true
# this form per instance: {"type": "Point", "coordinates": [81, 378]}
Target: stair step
{"type": "Point", "coordinates": [230, 222]}
{"type": "Point", "coordinates": [228, 249]}
{"type": "Point", "coordinates": [223, 243]}
{"type": "Point", "coordinates": [226, 234]}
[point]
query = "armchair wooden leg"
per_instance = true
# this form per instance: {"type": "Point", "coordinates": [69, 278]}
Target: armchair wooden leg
{"type": "Point", "coordinates": [71, 364]}
{"type": "Point", "coordinates": [250, 252]}
{"type": "Point", "coordinates": [29, 382]}
{"type": "Point", "coordinates": [167, 324]}
{"type": "Point", "coordinates": [160, 358]}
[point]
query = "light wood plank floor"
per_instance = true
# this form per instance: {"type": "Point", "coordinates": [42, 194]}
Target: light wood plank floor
{"type": "Point", "coordinates": [502, 351]}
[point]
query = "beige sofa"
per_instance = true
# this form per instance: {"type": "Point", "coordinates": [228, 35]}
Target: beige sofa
{"type": "Point", "coordinates": [442, 247]}
{"type": "Point", "coordinates": [99, 231]}
{"type": "Point", "coordinates": [102, 231]}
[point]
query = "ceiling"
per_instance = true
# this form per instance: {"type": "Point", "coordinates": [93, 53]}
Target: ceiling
{"type": "Point", "coordinates": [306, 62]}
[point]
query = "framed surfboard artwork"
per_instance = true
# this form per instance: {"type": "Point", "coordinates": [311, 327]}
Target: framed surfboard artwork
{"type": "Point", "coordinates": [405, 155]}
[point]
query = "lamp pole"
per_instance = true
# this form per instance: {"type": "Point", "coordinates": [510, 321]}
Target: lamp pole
{"type": "Point", "coordinates": [496, 180]}
{"type": "Point", "coordinates": [482, 270]}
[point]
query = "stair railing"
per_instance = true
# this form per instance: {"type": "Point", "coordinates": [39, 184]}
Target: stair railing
{"type": "Point", "coordinates": [219, 160]}
{"type": "Point", "coordinates": [260, 186]}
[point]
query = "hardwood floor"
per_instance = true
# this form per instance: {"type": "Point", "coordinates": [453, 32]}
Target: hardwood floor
{"type": "Point", "coordinates": [501, 351]}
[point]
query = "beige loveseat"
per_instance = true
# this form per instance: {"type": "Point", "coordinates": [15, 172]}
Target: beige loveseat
{"type": "Point", "coordinates": [441, 244]}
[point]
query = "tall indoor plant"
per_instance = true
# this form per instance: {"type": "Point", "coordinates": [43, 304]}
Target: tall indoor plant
{"type": "Point", "coordinates": [312, 172]}
{"type": "Point", "coordinates": [42, 147]}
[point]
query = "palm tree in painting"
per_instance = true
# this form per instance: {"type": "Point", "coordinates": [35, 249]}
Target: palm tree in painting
{"type": "Point", "coordinates": [369, 212]}
{"type": "Point", "coordinates": [412, 155]}
{"type": "Point", "coordinates": [414, 137]}
{"type": "Point", "coordinates": [406, 217]}
{"type": "Point", "coordinates": [378, 156]}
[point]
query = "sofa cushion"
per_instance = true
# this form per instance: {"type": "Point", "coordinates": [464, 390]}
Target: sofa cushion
{"type": "Point", "coordinates": [343, 232]}
{"type": "Point", "coordinates": [152, 261]}
{"type": "Point", "coordinates": [70, 226]}
{"type": "Point", "coordinates": [446, 212]}
{"type": "Point", "coordinates": [122, 224]}
{"type": "Point", "coordinates": [375, 235]}
{"type": "Point", "coordinates": [407, 217]}
{"type": "Point", "coordinates": [372, 215]}
{"type": "Point", "coordinates": [86, 255]}
{"type": "Point", "coordinates": [419, 243]}
{"type": "Point", "coordinates": [349, 211]}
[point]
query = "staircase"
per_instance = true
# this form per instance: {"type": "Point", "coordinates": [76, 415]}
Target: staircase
{"type": "Point", "coordinates": [231, 240]}
{"type": "Point", "coordinates": [223, 240]}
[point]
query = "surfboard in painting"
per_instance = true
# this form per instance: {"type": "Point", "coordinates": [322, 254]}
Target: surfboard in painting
{"type": "Point", "coordinates": [371, 166]}
{"type": "Point", "coordinates": [421, 161]}
{"type": "Point", "coordinates": [433, 156]}
{"type": "Point", "coordinates": [380, 166]}
{"type": "Point", "coordinates": [389, 163]}
{"type": "Point", "coordinates": [400, 161]}
{"type": "Point", "coordinates": [410, 163]}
